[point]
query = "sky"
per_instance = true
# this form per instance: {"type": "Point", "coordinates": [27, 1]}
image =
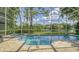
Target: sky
{"type": "Point", "coordinates": [42, 19]}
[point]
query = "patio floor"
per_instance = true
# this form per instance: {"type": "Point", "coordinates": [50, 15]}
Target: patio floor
{"type": "Point", "coordinates": [14, 45]}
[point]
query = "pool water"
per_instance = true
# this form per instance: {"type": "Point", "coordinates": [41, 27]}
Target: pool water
{"type": "Point", "coordinates": [46, 39]}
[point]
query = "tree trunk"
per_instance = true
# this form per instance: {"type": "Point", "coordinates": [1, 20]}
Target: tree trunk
{"type": "Point", "coordinates": [30, 18]}
{"type": "Point", "coordinates": [77, 28]}
{"type": "Point", "coordinates": [20, 21]}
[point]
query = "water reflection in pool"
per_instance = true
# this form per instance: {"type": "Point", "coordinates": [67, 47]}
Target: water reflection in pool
{"type": "Point", "coordinates": [46, 39]}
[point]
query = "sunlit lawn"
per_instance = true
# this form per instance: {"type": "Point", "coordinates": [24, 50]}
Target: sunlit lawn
{"type": "Point", "coordinates": [51, 33]}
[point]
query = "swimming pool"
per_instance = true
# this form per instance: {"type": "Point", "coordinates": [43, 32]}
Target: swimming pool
{"type": "Point", "coordinates": [47, 39]}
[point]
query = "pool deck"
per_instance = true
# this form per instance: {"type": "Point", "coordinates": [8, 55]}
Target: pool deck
{"type": "Point", "coordinates": [14, 45]}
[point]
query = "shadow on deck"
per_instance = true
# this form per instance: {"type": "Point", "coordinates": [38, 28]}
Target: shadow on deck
{"type": "Point", "coordinates": [30, 50]}
{"type": "Point", "coordinates": [20, 47]}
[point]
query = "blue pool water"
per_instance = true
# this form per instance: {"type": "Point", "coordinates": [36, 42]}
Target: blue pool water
{"type": "Point", "coordinates": [46, 39]}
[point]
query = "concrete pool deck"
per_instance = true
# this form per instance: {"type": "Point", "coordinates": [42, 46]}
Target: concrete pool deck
{"type": "Point", "coordinates": [14, 45]}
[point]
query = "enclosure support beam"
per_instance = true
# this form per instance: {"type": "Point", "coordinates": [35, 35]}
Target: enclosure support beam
{"type": "Point", "coordinates": [5, 21]}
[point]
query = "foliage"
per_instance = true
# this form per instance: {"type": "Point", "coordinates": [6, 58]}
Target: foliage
{"type": "Point", "coordinates": [77, 28]}
{"type": "Point", "coordinates": [71, 13]}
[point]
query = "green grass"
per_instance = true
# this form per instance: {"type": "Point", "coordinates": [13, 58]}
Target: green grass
{"type": "Point", "coordinates": [37, 33]}
{"type": "Point", "coordinates": [51, 33]}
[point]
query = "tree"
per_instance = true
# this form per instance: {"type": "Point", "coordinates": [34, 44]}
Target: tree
{"type": "Point", "coordinates": [11, 16]}
{"type": "Point", "coordinates": [71, 13]}
{"type": "Point", "coordinates": [77, 28]}
{"type": "Point", "coordinates": [30, 13]}
{"type": "Point", "coordinates": [66, 27]}
{"type": "Point", "coordinates": [2, 21]}
{"type": "Point", "coordinates": [29, 16]}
